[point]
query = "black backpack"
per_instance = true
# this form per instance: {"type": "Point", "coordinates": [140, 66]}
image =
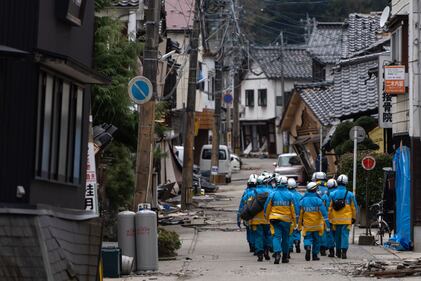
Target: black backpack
{"type": "Point", "coordinates": [339, 204]}
{"type": "Point", "coordinates": [254, 206]}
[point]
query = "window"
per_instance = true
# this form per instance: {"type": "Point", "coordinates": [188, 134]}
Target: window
{"type": "Point", "coordinates": [262, 98]}
{"type": "Point", "coordinates": [250, 98]}
{"type": "Point", "coordinates": [279, 101]}
{"type": "Point", "coordinates": [211, 86]}
{"type": "Point", "coordinates": [59, 130]}
{"type": "Point", "coordinates": [207, 154]}
{"type": "Point", "coordinates": [397, 45]}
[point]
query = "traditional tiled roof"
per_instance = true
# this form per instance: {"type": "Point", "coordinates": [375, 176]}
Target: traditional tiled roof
{"type": "Point", "coordinates": [361, 32]}
{"type": "Point", "coordinates": [319, 97]}
{"type": "Point", "coordinates": [326, 41]}
{"type": "Point", "coordinates": [179, 14]}
{"type": "Point", "coordinates": [297, 62]}
{"type": "Point", "coordinates": [354, 90]}
{"type": "Point", "coordinates": [126, 3]}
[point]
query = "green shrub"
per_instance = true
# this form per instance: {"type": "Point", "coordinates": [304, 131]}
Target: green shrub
{"type": "Point", "coordinates": [168, 243]}
{"type": "Point", "coordinates": [374, 177]}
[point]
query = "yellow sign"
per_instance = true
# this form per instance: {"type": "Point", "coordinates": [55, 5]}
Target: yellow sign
{"type": "Point", "coordinates": [377, 136]}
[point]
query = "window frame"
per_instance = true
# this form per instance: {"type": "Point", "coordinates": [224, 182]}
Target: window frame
{"type": "Point", "coordinates": [263, 102]}
{"type": "Point", "coordinates": [60, 151]}
{"type": "Point", "coordinates": [249, 93]}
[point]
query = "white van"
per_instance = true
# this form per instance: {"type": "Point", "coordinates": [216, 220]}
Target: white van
{"type": "Point", "coordinates": [224, 161]}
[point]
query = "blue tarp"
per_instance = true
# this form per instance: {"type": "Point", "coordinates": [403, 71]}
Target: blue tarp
{"type": "Point", "coordinates": [403, 199]}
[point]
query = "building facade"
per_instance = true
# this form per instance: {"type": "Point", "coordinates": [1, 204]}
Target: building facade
{"type": "Point", "coordinates": [45, 93]}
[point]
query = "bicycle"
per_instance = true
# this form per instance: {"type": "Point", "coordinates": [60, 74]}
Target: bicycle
{"type": "Point", "coordinates": [381, 225]}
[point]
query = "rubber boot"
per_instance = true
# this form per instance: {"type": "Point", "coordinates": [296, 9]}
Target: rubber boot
{"type": "Point", "coordinates": [260, 257]}
{"type": "Point", "coordinates": [308, 251]}
{"type": "Point", "coordinates": [285, 258]}
{"type": "Point", "coordinates": [331, 253]}
{"type": "Point", "coordinates": [338, 253]}
{"type": "Point", "coordinates": [297, 247]}
{"type": "Point", "coordinates": [343, 256]}
{"type": "Point", "coordinates": [251, 248]}
{"type": "Point", "coordinates": [266, 254]}
{"type": "Point", "coordinates": [277, 258]}
{"type": "Point", "coordinates": [315, 257]}
{"type": "Point", "coordinates": [322, 251]}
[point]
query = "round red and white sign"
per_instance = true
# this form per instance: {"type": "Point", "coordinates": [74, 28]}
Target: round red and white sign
{"type": "Point", "coordinates": [368, 163]}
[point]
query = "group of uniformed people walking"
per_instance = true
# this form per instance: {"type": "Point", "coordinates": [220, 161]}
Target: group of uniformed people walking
{"type": "Point", "coordinates": [323, 216]}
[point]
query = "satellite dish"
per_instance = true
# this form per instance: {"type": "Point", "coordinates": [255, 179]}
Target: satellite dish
{"type": "Point", "coordinates": [385, 16]}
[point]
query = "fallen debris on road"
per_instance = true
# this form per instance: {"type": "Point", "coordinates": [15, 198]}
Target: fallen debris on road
{"type": "Point", "coordinates": [389, 269]}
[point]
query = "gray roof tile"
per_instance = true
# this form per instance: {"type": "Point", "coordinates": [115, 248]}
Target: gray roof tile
{"type": "Point", "coordinates": [326, 41]}
{"type": "Point", "coordinates": [297, 62]}
{"type": "Point", "coordinates": [126, 3]}
{"type": "Point", "coordinates": [354, 91]}
{"type": "Point", "coordinates": [361, 32]}
{"type": "Point", "coordinates": [319, 96]}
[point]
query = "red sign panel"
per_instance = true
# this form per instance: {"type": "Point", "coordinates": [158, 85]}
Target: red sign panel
{"type": "Point", "coordinates": [368, 163]}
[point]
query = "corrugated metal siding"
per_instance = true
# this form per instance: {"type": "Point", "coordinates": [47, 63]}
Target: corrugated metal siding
{"type": "Point", "coordinates": [400, 7]}
{"type": "Point", "coordinates": [18, 22]}
{"type": "Point", "coordinates": [18, 101]}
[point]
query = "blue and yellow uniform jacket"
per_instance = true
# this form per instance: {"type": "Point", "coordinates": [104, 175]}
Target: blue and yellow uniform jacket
{"type": "Point", "coordinates": [322, 189]}
{"type": "Point", "coordinates": [297, 198]}
{"type": "Point", "coordinates": [313, 214]}
{"type": "Point", "coordinates": [349, 212]}
{"type": "Point", "coordinates": [280, 206]}
{"type": "Point", "coordinates": [260, 217]}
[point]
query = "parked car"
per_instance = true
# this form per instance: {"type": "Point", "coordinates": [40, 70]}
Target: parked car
{"type": "Point", "coordinates": [289, 165]}
{"type": "Point", "coordinates": [224, 161]}
{"type": "Point", "coordinates": [236, 163]}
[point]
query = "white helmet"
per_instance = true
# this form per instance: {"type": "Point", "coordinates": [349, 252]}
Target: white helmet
{"type": "Point", "coordinates": [320, 176]}
{"type": "Point", "coordinates": [313, 177]}
{"type": "Point", "coordinates": [283, 180]}
{"type": "Point", "coordinates": [342, 179]}
{"type": "Point", "coordinates": [312, 186]}
{"type": "Point", "coordinates": [260, 179]}
{"type": "Point", "coordinates": [332, 183]}
{"type": "Point", "coordinates": [292, 183]}
{"type": "Point", "coordinates": [252, 179]}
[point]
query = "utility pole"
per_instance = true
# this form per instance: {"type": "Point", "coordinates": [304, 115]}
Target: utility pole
{"type": "Point", "coordinates": [145, 142]}
{"type": "Point", "coordinates": [236, 121]}
{"type": "Point", "coordinates": [284, 98]}
{"type": "Point", "coordinates": [216, 123]}
{"type": "Point", "coordinates": [187, 183]}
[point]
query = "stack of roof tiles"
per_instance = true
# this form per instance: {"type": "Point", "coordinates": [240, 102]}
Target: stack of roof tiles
{"type": "Point", "coordinates": [297, 62]}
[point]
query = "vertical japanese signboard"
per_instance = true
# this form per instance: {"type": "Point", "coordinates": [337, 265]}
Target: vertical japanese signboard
{"type": "Point", "coordinates": [91, 192]}
{"type": "Point", "coordinates": [385, 100]}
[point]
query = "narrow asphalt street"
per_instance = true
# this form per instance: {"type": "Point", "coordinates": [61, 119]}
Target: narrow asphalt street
{"type": "Point", "coordinates": [217, 249]}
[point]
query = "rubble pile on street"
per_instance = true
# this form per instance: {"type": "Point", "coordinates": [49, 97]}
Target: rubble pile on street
{"type": "Point", "coordinates": [389, 269]}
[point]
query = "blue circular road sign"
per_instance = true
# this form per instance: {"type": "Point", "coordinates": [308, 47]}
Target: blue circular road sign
{"type": "Point", "coordinates": [140, 90]}
{"type": "Point", "coordinates": [228, 98]}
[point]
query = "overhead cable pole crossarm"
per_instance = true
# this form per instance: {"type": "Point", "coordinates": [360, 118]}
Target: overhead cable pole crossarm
{"type": "Point", "coordinates": [187, 182]}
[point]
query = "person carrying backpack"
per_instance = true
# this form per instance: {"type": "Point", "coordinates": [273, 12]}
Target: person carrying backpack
{"type": "Point", "coordinates": [251, 185]}
{"type": "Point", "coordinates": [279, 210]}
{"type": "Point", "coordinates": [313, 221]}
{"type": "Point", "coordinates": [330, 236]}
{"type": "Point", "coordinates": [323, 192]}
{"type": "Point", "coordinates": [259, 224]}
{"type": "Point", "coordinates": [343, 210]}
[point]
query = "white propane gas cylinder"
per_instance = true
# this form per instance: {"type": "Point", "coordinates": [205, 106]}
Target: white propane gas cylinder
{"type": "Point", "coordinates": [126, 233]}
{"type": "Point", "coordinates": [146, 241]}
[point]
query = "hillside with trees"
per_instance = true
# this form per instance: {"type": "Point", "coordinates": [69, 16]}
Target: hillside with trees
{"type": "Point", "coordinates": [262, 21]}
